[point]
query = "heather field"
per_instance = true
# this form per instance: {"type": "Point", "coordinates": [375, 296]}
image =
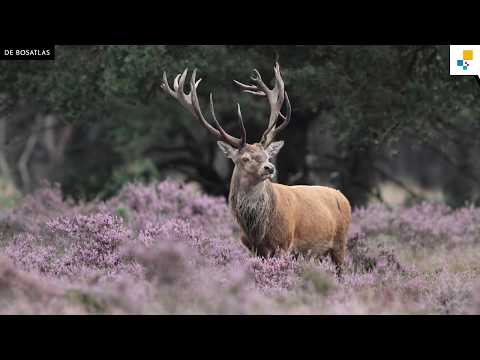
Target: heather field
{"type": "Point", "coordinates": [167, 248]}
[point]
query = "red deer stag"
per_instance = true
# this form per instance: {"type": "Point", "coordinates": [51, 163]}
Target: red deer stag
{"type": "Point", "coordinates": [299, 219]}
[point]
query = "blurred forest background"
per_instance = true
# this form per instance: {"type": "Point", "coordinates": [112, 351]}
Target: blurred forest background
{"type": "Point", "coordinates": [380, 123]}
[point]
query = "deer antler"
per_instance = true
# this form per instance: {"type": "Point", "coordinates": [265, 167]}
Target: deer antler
{"type": "Point", "coordinates": [275, 98]}
{"type": "Point", "coordinates": [190, 102]}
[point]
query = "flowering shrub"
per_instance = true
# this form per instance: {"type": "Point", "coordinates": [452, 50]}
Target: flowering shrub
{"type": "Point", "coordinates": [372, 220]}
{"type": "Point", "coordinates": [90, 241]}
{"type": "Point", "coordinates": [168, 248]}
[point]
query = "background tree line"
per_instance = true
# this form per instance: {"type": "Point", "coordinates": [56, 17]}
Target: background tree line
{"type": "Point", "coordinates": [96, 118]}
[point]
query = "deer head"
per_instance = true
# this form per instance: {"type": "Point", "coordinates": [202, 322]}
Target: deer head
{"type": "Point", "coordinates": [252, 161]}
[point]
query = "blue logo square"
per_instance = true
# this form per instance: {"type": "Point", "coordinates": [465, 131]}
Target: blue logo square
{"type": "Point", "coordinates": [459, 62]}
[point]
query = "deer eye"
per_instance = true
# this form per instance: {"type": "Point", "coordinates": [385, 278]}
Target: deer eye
{"type": "Point", "coordinates": [245, 159]}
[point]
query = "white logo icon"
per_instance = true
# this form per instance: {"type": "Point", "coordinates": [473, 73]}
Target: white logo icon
{"type": "Point", "coordinates": [464, 59]}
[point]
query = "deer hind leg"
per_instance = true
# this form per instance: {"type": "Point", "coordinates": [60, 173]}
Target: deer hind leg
{"type": "Point", "coordinates": [337, 253]}
{"type": "Point", "coordinates": [337, 258]}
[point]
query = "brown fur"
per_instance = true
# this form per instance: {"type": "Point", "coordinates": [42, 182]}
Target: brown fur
{"type": "Point", "coordinates": [301, 219]}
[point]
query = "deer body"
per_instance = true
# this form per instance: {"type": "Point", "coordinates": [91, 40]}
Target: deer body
{"type": "Point", "coordinates": [301, 219]}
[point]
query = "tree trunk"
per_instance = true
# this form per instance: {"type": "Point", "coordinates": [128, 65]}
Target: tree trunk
{"type": "Point", "coordinates": [356, 178]}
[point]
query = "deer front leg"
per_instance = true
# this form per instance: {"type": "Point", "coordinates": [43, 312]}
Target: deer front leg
{"type": "Point", "coordinates": [246, 242]}
{"type": "Point", "coordinates": [256, 251]}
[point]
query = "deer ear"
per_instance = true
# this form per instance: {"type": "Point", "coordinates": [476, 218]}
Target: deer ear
{"type": "Point", "coordinates": [274, 148]}
{"type": "Point", "coordinates": [229, 151]}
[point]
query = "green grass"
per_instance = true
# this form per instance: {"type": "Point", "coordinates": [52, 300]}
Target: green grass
{"type": "Point", "coordinates": [9, 196]}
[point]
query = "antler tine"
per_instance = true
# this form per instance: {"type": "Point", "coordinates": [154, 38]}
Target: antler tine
{"type": "Point", "coordinates": [258, 79]}
{"type": "Point", "coordinates": [252, 89]}
{"type": "Point", "coordinates": [259, 89]}
{"type": "Point", "coordinates": [175, 82]}
{"type": "Point", "coordinates": [289, 114]}
{"type": "Point", "coordinates": [279, 88]}
{"type": "Point", "coordinates": [219, 127]}
{"type": "Point", "coordinates": [242, 126]}
{"type": "Point", "coordinates": [272, 131]}
{"type": "Point", "coordinates": [245, 86]}
{"type": "Point", "coordinates": [165, 85]}
{"type": "Point", "coordinates": [243, 139]}
{"type": "Point", "coordinates": [182, 97]}
{"type": "Point", "coordinates": [190, 102]}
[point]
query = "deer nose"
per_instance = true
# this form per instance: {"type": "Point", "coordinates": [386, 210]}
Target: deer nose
{"type": "Point", "coordinates": [269, 169]}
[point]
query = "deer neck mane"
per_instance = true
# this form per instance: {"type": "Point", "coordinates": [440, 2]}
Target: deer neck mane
{"type": "Point", "coordinates": [252, 205]}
